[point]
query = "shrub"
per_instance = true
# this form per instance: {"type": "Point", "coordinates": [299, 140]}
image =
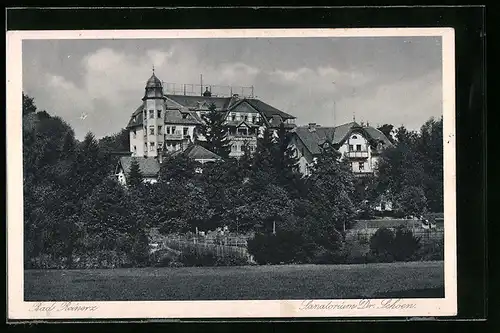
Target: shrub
{"type": "Point", "coordinates": [284, 247]}
{"type": "Point", "coordinates": [165, 258]}
{"type": "Point", "coordinates": [387, 246]}
{"type": "Point", "coordinates": [431, 252]}
{"type": "Point", "coordinates": [405, 245]}
{"type": "Point", "coordinates": [382, 242]}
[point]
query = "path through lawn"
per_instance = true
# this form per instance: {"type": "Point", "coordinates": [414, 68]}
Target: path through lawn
{"type": "Point", "coordinates": [414, 279]}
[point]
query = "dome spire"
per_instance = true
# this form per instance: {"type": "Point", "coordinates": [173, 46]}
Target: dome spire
{"type": "Point", "coordinates": [153, 69]}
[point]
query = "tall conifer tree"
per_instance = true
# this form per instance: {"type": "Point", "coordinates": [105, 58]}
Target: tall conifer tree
{"type": "Point", "coordinates": [215, 132]}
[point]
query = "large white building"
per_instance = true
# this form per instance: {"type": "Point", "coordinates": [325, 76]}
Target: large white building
{"type": "Point", "coordinates": [170, 122]}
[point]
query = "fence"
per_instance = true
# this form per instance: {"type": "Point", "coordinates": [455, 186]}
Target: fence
{"type": "Point", "coordinates": [225, 246]}
{"type": "Point", "coordinates": [427, 236]}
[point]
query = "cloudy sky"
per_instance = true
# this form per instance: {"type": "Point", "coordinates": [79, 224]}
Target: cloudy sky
{"type": "Point", "coordinates": [380, 80]}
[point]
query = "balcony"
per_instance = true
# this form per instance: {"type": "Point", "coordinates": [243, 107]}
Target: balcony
{"type": "Point", "coordinates": [357, 154]}
{"type": "Point", "coordinates": [363, 173]}
{"type": "Point", "coordinates": [174, 136]}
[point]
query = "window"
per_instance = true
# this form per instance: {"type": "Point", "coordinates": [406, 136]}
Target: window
{"type": "Point", "coordinates": [185, 131]}
{"type": "Point", "coordinates": [233, 147]}
{"type": "Point", "coordinates": [159, 129]}
{"type": "Point", "coordinates": [135, 149]}
{"type": "Point", "coordinates": [233, 116]}
{"type": "Point", "coordinates": [151, 146]}
{"type": "Point", "coordinates": [160, 145]}
{"type": "Point", "coordinates": [246, 118]}
{"type": "Point", "coordinates": [134, 134]}
{"type": "Point", "coordinates": [151, 130]}
{"type": "Point", "coordinates": [361, 166]}
{"type": "Point", "coordinates": [159, 113]}
{"type": "Point", "coordinates": [173, 129]}
{"type": "Point", "coordinates": [351, 148]}
{"type": "Point", "coordinates": [151, 114]}
{"type": "Point", "coordinates": [358, 147]}
{"type": "Point", "coordinates": [354, 137]}
{"type": "Point", "coordinates": [167, 129]}
{"type": "Point", "coordinates": [254, 119]}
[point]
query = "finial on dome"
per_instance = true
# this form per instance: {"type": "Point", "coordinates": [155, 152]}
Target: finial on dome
{"type": "Point", "coordinates": [153, 69]}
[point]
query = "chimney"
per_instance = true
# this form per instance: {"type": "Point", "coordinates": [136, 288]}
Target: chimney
{"type": "Point", "coordinates": [312, 127]}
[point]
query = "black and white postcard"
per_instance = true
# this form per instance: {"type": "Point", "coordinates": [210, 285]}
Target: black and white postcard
{"type": "Point", "coordinates": [231, 173]}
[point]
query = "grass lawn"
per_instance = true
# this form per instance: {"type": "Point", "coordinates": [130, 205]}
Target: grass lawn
{"type": "Point", "coordinates": [413, 279]}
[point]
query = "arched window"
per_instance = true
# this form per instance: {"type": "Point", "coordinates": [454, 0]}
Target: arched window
{"type": "Point", "coordinates": [354, 136]}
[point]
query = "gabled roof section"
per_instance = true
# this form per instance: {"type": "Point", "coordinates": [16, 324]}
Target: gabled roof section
{"type": "Point", "coordinates": [181, 117]}
{"type": "Point", "coordinates": [336, 135]}
{"type": "Point", "coordinates": [136, 118]}
{"type": "Point", "coordinates": [379, 136]}
{"type": "Point", "coordinates": [196, 152]}
{"type": "Point", "coordinates": [242, 105]}
{"type": "Point", "coordinates": [267, 109]}
{"type": "Point", "coordinates": [149, 166]}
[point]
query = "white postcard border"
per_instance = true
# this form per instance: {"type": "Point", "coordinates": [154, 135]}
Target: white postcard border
{"type": "Point", "coordinates": [18, 309]}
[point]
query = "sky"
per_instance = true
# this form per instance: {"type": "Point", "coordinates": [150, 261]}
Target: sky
{"type": "Point", "coordinates": [328, 81]}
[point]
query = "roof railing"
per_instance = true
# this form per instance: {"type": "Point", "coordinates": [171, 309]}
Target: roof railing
{"type": "Point", "coordinates": [193, 89]}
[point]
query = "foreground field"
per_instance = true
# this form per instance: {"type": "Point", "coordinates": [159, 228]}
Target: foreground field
{"type": "Point", "coordinates": [413, 279]}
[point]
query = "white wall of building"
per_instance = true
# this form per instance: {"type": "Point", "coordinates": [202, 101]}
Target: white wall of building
{"type": "Point", "coordinates": [137, 141]}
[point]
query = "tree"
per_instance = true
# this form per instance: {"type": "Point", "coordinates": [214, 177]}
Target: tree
{"type": "Point", "coordinates": [178, 168]}
{"type": "Point", "coordinates": [412, 201]}
{"type": "Point", "coordinates": [214, 131]}
{"type": "Point", "coordinates": [387, 129]}
{"type": "Point", "coordinates": [286, 162]}
{"type": "Point", "coordinates": [108, 220]}
{"type": "Point", "coordinates": [331, 192]}
{"type": "Point", "coordinates": [416, 160]}
{"type": "Point", "coordinates": [28, 105]}
{"type": "Point", "coordinates": [134, 177]}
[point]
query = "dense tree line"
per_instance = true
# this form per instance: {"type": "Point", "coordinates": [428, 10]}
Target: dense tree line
{"type": "Point", "coordinates": [412, 171]}
{"type": "Point", "coordinates": [77, 215]}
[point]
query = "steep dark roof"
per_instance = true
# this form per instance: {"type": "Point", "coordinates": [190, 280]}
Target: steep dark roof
{"type": "Point", "coordinates": [268, 110]}
{"type": "Point", "coordinates": [149, 166]}
{"type": "Point", "coordinates": [335, 135]}
{"type": "Point", "coordinates": [378, 135]}
{"type": "Point", "coordinates": [196, 152]}
{"type": "Point", "coordinates": [186, 104]}
{"type": "Point", "coordinates": [138, 118]}
{"type": "Point", "coordinates": [176, 117]}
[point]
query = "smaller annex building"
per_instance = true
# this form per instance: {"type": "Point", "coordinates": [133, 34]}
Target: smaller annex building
{"type": "Point", "coordinates": [150, 166]}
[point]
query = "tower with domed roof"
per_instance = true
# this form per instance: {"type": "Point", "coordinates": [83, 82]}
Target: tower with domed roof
{"type": "Point", "coordinates": [153, 116]}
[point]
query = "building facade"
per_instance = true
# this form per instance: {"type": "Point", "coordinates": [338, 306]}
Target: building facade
{"type": "Point", "coordinates": [360, 145]}
{"type": "Point", "coordinates": [170, 122]}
